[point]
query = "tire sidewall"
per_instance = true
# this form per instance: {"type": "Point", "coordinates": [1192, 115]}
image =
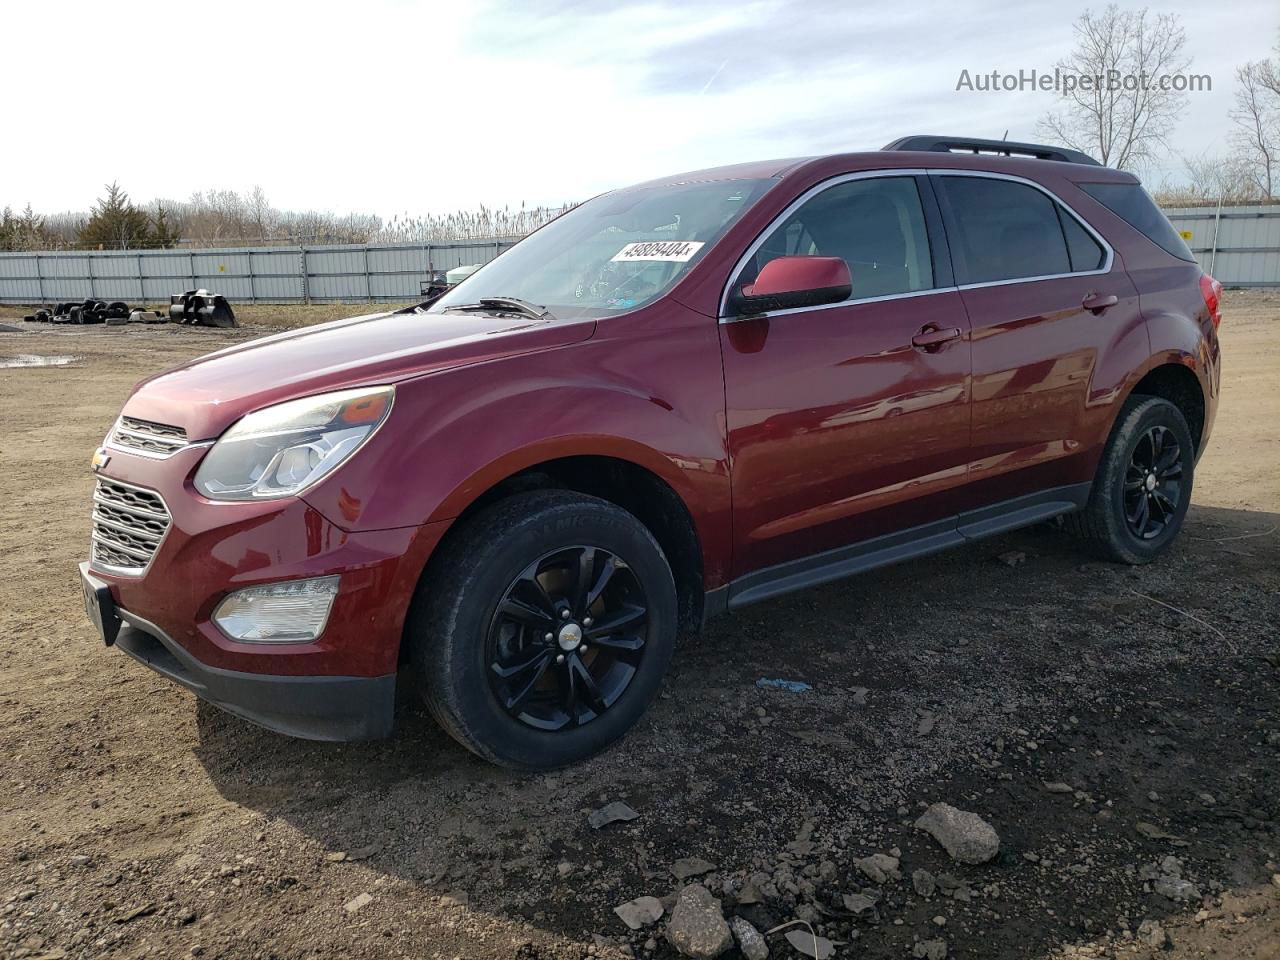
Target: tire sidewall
{"type": "Point", "coordinates": [495, 564]}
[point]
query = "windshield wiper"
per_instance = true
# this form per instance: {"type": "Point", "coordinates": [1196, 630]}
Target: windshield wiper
{"type": "Point", "coordinates": [507, 305]}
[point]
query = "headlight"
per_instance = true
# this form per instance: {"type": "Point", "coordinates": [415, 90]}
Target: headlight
{"type": "Point", "coordinates": [280, 451]}
{"type": "Point", "coordinates": [292, 611]}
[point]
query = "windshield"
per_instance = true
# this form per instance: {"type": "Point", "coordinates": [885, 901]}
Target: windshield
{"type": "Point", "coordinates": [614, 253]}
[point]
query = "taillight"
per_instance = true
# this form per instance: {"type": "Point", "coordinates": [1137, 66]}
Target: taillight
{"type": "Point", "coordinates": [1211, 289]}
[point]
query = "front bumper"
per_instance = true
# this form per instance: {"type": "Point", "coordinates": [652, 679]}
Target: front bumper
{"type": "Point", "coordinates": [341, 686]}
{"type": "Point", "coordinates": [314, 708]}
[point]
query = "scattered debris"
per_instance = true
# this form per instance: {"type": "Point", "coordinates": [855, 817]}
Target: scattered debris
{"type": "Point", "coordinates": [774, 683]}
{"type": "Point", "coordinates": [1012, 558]}
{"type": "Point", "coordinates": [1059, 787]}
{"type": "Point", "coordinates": [964, 835]}
{"type": "Point", "coordinates": [930, 950]}
{"type": "Point", "coordinates": [640, 912]}
{"type": "Point", "coordinates": [697, 927]}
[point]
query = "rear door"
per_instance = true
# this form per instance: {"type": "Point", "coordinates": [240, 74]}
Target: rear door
{"type": "Point", "coordinates": [1047, 300]}
{"type": "Point", "coordinates": [840, 428]}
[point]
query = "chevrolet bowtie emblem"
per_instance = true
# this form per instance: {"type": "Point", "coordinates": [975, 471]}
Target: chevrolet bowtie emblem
{"type": "Point", "coordinates": [100, 459]}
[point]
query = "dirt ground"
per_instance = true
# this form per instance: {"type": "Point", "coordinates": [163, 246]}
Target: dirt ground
{"type": "Point", "coordinates": [136, 822]}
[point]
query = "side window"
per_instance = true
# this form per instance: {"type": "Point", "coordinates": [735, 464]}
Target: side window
{"type": "Point", "coordinates": [1085, 252]}
{"type": "Point", "coordinates": [1007, 230]}
{"type": "Point", "coordinates": [875, 225]}
{"type": "Point", "coordinates": [1133, 205]}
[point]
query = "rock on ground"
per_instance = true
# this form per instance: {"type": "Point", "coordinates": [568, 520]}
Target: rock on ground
{"type": "Point", "coordinates": [879, 867]}
{"type": "Point", "coordinates": [640, 912]}
{"type": "Point", "coordinates": [750, 943]}
{"type": "Point", "coordinates": [924, 883]}
{"type": "Point", "coordinates": [930, 950]}
{"type": "Point", "coordinates": [611, 813]}
{"type": "Point", "coordinates": [965, 836]}
{"type": "Point", "coordinates": [355, 904]}
{"type": "Point", "coordinates": [697, 927]}
{"type": "Point", "coordinates": [820, 948]}
{"type": "Point", "coordinates": [687, 867]}
{"type": "Point", "coordinates": [1176, 888]}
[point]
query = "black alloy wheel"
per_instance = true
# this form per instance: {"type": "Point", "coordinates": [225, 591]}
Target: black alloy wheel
{"type": "Point", "coordinates": [567, 638]}
{"type": "Point", "coordinates": [1153, 483]}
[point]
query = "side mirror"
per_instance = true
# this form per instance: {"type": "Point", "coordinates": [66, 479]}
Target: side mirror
{"type": "Point", "coordinates": [796, 282]}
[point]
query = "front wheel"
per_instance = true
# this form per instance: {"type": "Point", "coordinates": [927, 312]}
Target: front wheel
{"type": "Point", "coordinates": [543, 629]}
{"type": "Point", "coordinates": [1142, 489]}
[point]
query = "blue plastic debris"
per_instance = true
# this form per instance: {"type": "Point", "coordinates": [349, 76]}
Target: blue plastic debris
{"type": "Point", "coordinates": [791, 686]}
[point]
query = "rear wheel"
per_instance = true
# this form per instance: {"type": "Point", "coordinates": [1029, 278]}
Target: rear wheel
{"type": "Point", "coordinates": [544, 629]}
{"type": "Point", "coordinates": [1142, 489]}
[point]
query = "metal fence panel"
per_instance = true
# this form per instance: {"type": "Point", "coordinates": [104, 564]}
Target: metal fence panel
{"type": "Point", "coordinates": [1240, 245]}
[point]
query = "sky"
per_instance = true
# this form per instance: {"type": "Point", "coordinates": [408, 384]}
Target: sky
{"type": "Point", "coordinates": [400, 106]}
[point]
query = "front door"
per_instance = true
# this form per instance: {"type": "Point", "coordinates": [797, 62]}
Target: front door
{"type": "Point", "coordinates": [840, 428]}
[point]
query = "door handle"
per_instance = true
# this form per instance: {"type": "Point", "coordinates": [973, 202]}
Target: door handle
{"type": "Point", "coordinates": [932, 336]}
{"type": "Point", "coordinates": [1096, 302]}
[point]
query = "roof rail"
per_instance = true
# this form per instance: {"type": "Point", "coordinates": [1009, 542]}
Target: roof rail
{"type": "Point", "coordinates": [1007, 148]}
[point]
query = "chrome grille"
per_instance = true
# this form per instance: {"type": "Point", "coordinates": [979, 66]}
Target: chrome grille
{"type": "Point", "coordinates": [157, 439]}
{"type": "Point", "coordinates": [128, 524]}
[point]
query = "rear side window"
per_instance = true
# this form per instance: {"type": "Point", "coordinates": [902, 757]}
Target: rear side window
{"type": "Point", "coordinates": [1004, 230]}
{"type": "Point", "coordinates": [1134, 206]}
{"type": "Point", "coordinates": [1086, 253]}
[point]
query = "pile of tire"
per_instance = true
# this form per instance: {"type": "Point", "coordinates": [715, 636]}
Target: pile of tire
{"type": "Point", "coordinates": [83, 311]}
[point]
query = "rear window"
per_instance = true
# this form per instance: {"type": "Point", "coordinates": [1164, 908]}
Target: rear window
{"type": "Point", "coordinates": [1134, 206]}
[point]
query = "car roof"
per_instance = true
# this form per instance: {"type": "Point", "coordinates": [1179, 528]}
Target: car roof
{"type": "Point", "coordinates": [837, 163]}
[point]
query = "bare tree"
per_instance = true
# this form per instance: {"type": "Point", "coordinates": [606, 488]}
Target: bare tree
{"type": "Point", "coordinates": [1209, 178]}
{"type": "Point", "coordinates": [264, 216]}
{"type": "Point", "coordinates": [1256, 116]}
{"type": "Point", "coordinates": [1122, 113]}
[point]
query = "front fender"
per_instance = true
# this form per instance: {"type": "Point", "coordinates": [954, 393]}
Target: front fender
{"type": "Point", "coordinates": [642, 395]}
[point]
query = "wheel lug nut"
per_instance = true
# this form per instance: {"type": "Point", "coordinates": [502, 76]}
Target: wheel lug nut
{"type": "Point", "coordinates": [583, 648]}
{"type": "Point", "coordinates": [559, 658]}
{"type": "Point", "coordinates": [586, 622]}
{"type": "Point", "coordinates": [549, 637]}
{"type": "Point", "coordinates": [564, 614]}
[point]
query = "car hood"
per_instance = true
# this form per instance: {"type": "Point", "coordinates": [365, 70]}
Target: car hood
{"type": "Point", "coordinates": [208, 394]}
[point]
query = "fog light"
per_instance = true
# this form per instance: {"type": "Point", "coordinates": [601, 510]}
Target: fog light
{"type": "Point", "coordinates": [292, 611]}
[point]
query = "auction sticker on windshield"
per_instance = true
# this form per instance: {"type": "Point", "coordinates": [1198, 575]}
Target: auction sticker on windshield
{"type": "Point", "coordinates": [665, 251]}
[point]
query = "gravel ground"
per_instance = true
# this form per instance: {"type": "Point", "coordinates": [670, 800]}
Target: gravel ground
{"type": "Point", "coordinates": [1125, 751]}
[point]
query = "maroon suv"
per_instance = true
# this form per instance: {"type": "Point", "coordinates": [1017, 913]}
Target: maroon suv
{"type": "Point", "coordinates": [674, 400]}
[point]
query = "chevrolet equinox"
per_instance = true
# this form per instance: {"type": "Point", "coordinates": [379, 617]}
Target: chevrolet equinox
{"type": "Point", "coordinates": [672, 401]}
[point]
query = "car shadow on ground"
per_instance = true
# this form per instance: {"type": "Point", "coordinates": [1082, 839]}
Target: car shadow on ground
{"type": "Point", "coordinates": [974, 677]}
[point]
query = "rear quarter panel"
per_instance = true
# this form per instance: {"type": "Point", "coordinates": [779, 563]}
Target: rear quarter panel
{"type": "Point", "coordinates": [1179, 328]}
